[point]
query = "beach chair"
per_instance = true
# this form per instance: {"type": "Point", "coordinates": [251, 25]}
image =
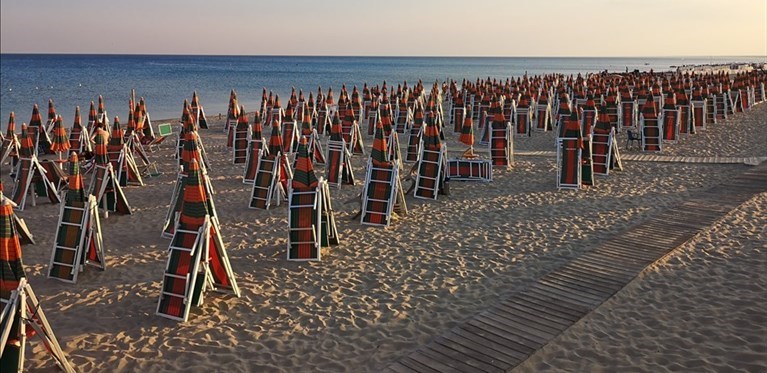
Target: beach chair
{"type": "Point", "coordinates": [240, 141]}
{"type": "Point", "coordinates": [523, 121]}
{"type": "Point", "coordinates": [603, 146]}
{"type": "Point", "coordinates": [629, 113]}
{"type": "Point", "coordinates": [304, 223]}
{"type": "Point", "coordinates": [721, 101]}
{"type": "Point", "coordinates": [78, 240]}
{"type": "Point", "coordinates": [197, 262]}
{"type": "Point", "coordinates": [670, 124]}
{"type": "Point", "coordinates": [711, 107]}
{"type": "Point", "coordinates": [431, 173]}
{"type": "Point", "coordinates": [381, 194]}
{"type": "Point", "coordinates": [163, 130]}
{"type": "Point", "coordinates": [651, 132]}
{"type": "Point", "coordinates": [339, 169]}
{"type": "Point", "coordinates": [542, 116]}
{"type": "Point", "coordinates": [613, 110]}
{"type": "Point", "coordinates": [699, 114]}
{"type": "Point", "coordinates": [329, 232]}
{"type": "Point", "coordinates": [404, 120]}
{"type": "Point", "coordinates": [457, 115]}
{"type": "Point", "coordinates": [17, 324]}
{"type": "Point", "coordinates": [372, 117]}
{"type": "Point", "coordinates": [10, 149]}
{"type": "Point", "coordinates": [106, 188]}
{"type": "Point", "coordinates": [55, 174]}
{"type": "Point", "coordinates": [569, 153]}
{"type": "Point", "coordinates": [686, 120]}
{"type": "Point", "coordinates": [501, 144]}
{"type": "Point", "coordinates": [124, 164]}
{"type": "Point", "coordinates": [267, 185]}
{"type": "Point", "coordinates": [469, 170]}
{"type": "Point", "coordinates": [290, 136]}
{"type": "Point", "coordinates": [251, 163]}
{"type": "Point", "coordinates": [30, 173]}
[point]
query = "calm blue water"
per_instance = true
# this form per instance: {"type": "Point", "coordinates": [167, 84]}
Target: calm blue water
{"type": "Point", "coordinates": [166, 80]}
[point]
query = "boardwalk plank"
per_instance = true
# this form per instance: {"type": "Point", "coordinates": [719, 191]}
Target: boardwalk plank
{"type": "Point", "coordinates": [501, 359]}
{"type": "Point", "coordinates": [451, 358]}
{"type": "Point", "coordinates": [486, 363]}
{"type": "Point", "coordinates": [490, 340]}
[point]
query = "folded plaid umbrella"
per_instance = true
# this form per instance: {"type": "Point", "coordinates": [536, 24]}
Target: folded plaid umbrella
{"type": "Point", "coordinates": [193, 205]}
{"type": "Point", "coordinates": [130, 127]}
{"type": "Point", "coordinates": [116, 138]}
{"type": "Point", "coordinates": [60, 140]}
{"type": "Point", "coordinates": [91, 118]}
{"type": "Point", "coordinates": [51, 111]}
{"type": "Point", "coordinates": [234, 107]}
{"type": "Point", "coordinates": [431, 138]}
{"type": "Point", "coordinates": [289, 112]}
{"type": "Point", "coordinates": [10, 131]}
{"type": "Point", "coordinates": [101, 108]}
{"type": "Point", "coordinates": [257, 129]}
{"type": "Point", "coordinates": [293, 101]}
{"type": "Point", "coordinates": [75, 193]}
{"type": "Point", "coordinates": [11, 267]}
{"type": "Point", "coordinates": [275, 140]}
{"type": "Point", "coordinates": [336, 132]}
{"type": "Point", "coordinates": [467, 132]}
{"type": "Point", "coordinates": [306, 122]}
{"type": "Point", "coordinates": [303, 172]}
{"type": "Point", "coordinates": [26, 142]}
{"type": "Point", "coordinates": [379, 154]}
{"type": "Point", "coordinates": [186, 119]}
{"type": "Point", "coordinates": [37, 119]}
{"type": "Point", "coordinates": [100, 140]}
{"type": "Point", "coordinates": [75, 134]}
{"type": "Point", "coordinates": [191, 151]}
{"type": "Point", "coordinates": [329, 98]}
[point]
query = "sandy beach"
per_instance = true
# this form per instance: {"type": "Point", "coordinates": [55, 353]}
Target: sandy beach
{"type": "Point", "coordinates": [385, 291]}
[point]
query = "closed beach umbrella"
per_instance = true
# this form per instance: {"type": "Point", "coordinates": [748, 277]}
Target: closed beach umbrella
{"type": "Point", "coordinates": [100, 140]}
{"type": "Point", "coordinates": [10, 131]}
{"type": "Point", "coordinates": [303, 173]}
{"type": "Point", "coordinates": [467, 132]}
{"type": "Point", "coordinates": [275, 140]}
{"type": "Point", "coordinates": [191, 151]}
{"type": "Point", "coordinates": [193, 205]}
{"type": "Point", "coordinates": [51, 112]}
{"type": "Point", "coordinates": [37, 119]}
{"type": "Point", "coordinates": [379, 155]}
{"type": "Point", "coordinates": [116, 138]}
{"type": "Point", "coordinates": [257, 129]}
{"type": "Point", "coordinates": [60, 140]}
{"type": "Point", "coordinates": [306, 122]}
{"type": "Point", "coordinates": [26, 142]}
{"type": "Point", "coordinates": [431, 138]}
{"type": "Point", "coordinates": [11, 267]}
{"type": "Point", "coordinates": [130, 127]}
{"type": "Point", "coordinates": [75, 193]}
{"type": "Point", "coordinates": [336, 132]}
{"type": "Point", "coordinates": [91, 117]}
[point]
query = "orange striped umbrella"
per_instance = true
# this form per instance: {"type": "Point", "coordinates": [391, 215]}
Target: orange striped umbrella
{"type": "Point", "coordinates": [379, 155]}
{"type": "Point", "coordinates": [306, 122]}
{"type": "Point", "coordinates": [336, 131]}
{"type": "Point", "coordinates": [100, 140]}
{"type": "Point", "coordinates": [431, 138]}
{"type": "Point", "coordinates": [234, 107]}
{"type": "Point", "coordinates": [186, 119]}
{"type": "Point", "coordinates": [11, 267]}
{"type": "Point", "coordinates": [51, 111]}
{"type": "Point", "coordinates": [77, 125]}
{"type": "Point", "coordinates": [275, 141]}
{"type": "Point", "coordinates": [329, 97]}
{"type": "Point", "coordinates": [670, 101]}
{"type": "Point", "coordinates": [289, 114]}
{"type": "Point", "coordinates": [191, 151]}
{"type": "Point", "coordinates": [60, 140]}
{"type": "Point", "coordinates": [138, 117]}
{"type": "Point", "coordinates": [130, 128]}
{"type": "Point", "coordinates": [116, 137]}
{"type": "Point", "coordinates": [91, 116]}
{"type": "Point", "coordinates": [75, 193]}
{"type": "Point", "coordinates": [258, 128]}
{"type": "Point", "coordinates": [26, 142]}
{"type": "Point", "coordinates": [193, 203]}
{"type": "Point", "coordinates": [101, 108]}
{"type": "Point", "coordinates": [293, 100]}
{"type": "Point", "coordinates": [37, 119]}
{"type": "Point", "coordinates": [10, 131]}
{"type": "Point", "coordinates": [303, 173]}
{"type": "Point", "coordinates": [649, 110]}
{"type": "Point", "coordinates": [467, 130]}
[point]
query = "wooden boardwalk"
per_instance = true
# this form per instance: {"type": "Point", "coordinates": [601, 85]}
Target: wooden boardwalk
{"type": "Point", "coordinates": [503, 336]}
{"type": "Point", "coordinates": [654, 157]}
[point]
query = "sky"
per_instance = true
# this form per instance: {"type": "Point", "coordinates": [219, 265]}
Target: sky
{"type": "Point", "coordinates": [595, 28]}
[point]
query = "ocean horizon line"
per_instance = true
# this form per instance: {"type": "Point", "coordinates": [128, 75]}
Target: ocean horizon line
{"type": "Point", "coordinates": [371, 56]}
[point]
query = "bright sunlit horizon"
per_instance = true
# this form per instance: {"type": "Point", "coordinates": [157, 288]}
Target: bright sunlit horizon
{"type": "Point", "coordinates": [449, 28]}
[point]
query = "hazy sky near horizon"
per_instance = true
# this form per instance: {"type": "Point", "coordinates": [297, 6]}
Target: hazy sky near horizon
{"type": "Point", "coordinates": [387, 27]}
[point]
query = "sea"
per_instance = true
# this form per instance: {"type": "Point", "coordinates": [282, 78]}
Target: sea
{"type": "Point", "coordinates": [166, 80]}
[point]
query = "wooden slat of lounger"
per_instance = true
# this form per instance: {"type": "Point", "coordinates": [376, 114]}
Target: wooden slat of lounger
{"type": "Point", "coordinates": [492, 342]}
{"type": "Point", "coordinates": [494, 357]}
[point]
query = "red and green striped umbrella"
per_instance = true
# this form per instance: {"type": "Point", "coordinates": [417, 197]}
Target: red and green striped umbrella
{"type": "Point", "coordinates": [193, 204]}
{"type": "Point", "coordinates": [75, 193]}
{"type": "Point", "coordinates": [10, 131]}
{"type": "Point", "coordinates": [234, 107]}
{"type": "Point", "coordinates": [60, 140]}
{"type": "Point", "coordinates": [467, 130]}
{"type": "Point", "coordinates": [336, 132]}
{"type": "Point", "coordinates": [431, 138]}
{"type": "Point", "coordinates": [418, 116]}
{"type": "Point", "coordinates": [77, 125]}
{"type": "Point", "coordinates": [191, 151]}
{"type": "Point", "coordinates": [649, 110]}
{"type": "Point", "coordinates": [186, 119]}
{"type": "Point", "coordinates": [257, 129]}
{"type": "Point", "coordinates": [101, 108]}
{"type": "Point", "coordinates": [242, 120]}
{"type": "Point", "coordinates": [51, 111]}
{"type": "Point", "coordinates": [329, 98]}
{"type": "Point", "coordinates": [306, 122]}
{"type": "Point", "coordinates": [26, 142]}
{"type": "Point", "coordinates": [37, 119]}
{"type": "Point", "coordinates": [116, 138]}
{"type": "Point", "coordinates": [379, 155]}
{"type": "Point", "coordinates": [100, 140]}
{"type": "Point", "coordinates": [289, 114]}
{"type": "Point", "coordinates": [138, 118]}
{"type": "Point", "coordinates": [303, 172]}
{"type": "Point", "coordinates": [130, 128]}
{"type": "Point", "coordinates": [11, 267]}
{"type": "Point", "coordinates": [92, 116]}
{"type": "Point", "coordinates": [275, 141]}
